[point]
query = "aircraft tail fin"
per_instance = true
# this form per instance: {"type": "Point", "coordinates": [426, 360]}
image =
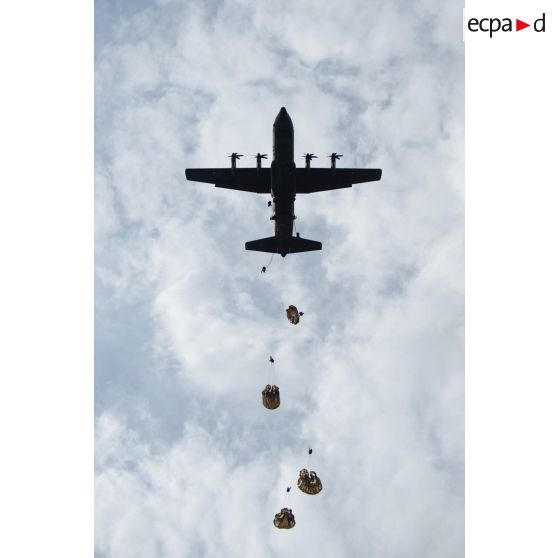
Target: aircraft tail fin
{"type": "Point", "coordinates": [279, 246]}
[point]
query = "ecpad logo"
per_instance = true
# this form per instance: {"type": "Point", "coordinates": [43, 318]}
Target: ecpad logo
{"type": "Point", "coordinates": [493, 25]}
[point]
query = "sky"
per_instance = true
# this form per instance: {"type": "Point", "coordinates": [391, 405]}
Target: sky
{"type": "Point", "coordinates": [187, 460]}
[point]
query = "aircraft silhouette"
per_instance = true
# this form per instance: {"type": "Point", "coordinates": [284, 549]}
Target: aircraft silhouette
{"type": "Point", "coordinates": [283, 181]}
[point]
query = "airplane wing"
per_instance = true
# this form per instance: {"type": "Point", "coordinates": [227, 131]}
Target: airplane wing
{"type": "Point", "coordinates": [247, 180]}
{"type": "Point", "coordinates": [319, 180]}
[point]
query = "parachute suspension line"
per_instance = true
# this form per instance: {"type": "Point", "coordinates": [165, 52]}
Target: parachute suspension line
{"type": "Point", "coordinates": [288, 496]}
{"type": "Point", "coordinates": [265, 267]}
{"type": "Point", "coordinates": [272, 369]}
{"type": "Point", "coordinates": [309, 458]}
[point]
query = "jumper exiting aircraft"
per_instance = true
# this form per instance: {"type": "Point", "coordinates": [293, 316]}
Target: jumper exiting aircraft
{"type": "Point", "coordinates": [283, 181]}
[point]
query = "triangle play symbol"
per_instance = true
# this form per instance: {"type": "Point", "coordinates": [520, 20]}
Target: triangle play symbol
{"type": "Point", "coordinates": [519, 25]}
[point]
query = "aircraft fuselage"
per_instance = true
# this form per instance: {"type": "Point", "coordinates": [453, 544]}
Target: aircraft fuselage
{"type": "Point", "coordinates": [283, 187]}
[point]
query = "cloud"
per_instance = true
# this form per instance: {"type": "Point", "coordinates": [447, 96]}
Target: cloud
{"type": "Point", "coordinates": [189, 463]}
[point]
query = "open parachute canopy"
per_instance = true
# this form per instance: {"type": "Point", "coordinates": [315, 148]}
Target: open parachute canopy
{"type": "Point", "coordinates": [309, 482]}
{"type": "Point", "coordinates": [284, 519]}
{"type": "Point", "coordinates": [270, 397]}
{"type": "Point", "coordinates": [293, 315]}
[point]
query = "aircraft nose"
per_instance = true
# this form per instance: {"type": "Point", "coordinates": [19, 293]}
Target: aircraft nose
{"type": "Point", "coordinates": [283, 119]}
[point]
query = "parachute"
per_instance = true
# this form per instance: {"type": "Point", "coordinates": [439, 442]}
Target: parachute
{"type": "Point", "coordinates": [284, 519]}
{"type": "Point", "coordinates": [309, 482]}
{"type": "Point", "coordinates": [293, 315]}
{"type": "Point", "coordinates": [270, 397]}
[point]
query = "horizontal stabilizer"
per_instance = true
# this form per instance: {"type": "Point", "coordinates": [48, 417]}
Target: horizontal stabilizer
{"type": "Point", "coordinates": [283, 246]}
{"type": "Point", "coordinates": [303, 245]}
{"type": "Point", "coordinates": [263, 245]}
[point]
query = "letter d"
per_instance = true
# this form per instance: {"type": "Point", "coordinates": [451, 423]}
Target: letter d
{"type": "Point", "coordinates": [535, 25]}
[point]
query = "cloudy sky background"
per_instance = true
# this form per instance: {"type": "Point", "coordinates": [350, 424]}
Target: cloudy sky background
{"type": "Point", "coordinates": [188, 462]}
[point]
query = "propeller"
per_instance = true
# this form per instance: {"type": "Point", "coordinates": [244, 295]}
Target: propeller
{"type": "Point", "coordinates": [233, 157]}
{"type": "Point", "coordinates": [308, 157]}
{"type": "Point", "coordinates": [259, 158]}
{"type": "Point", "coordinates": [334, 157]}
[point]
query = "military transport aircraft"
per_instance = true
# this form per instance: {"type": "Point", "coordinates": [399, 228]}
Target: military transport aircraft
{"type": "Point", "coordinates": [283, 181]}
